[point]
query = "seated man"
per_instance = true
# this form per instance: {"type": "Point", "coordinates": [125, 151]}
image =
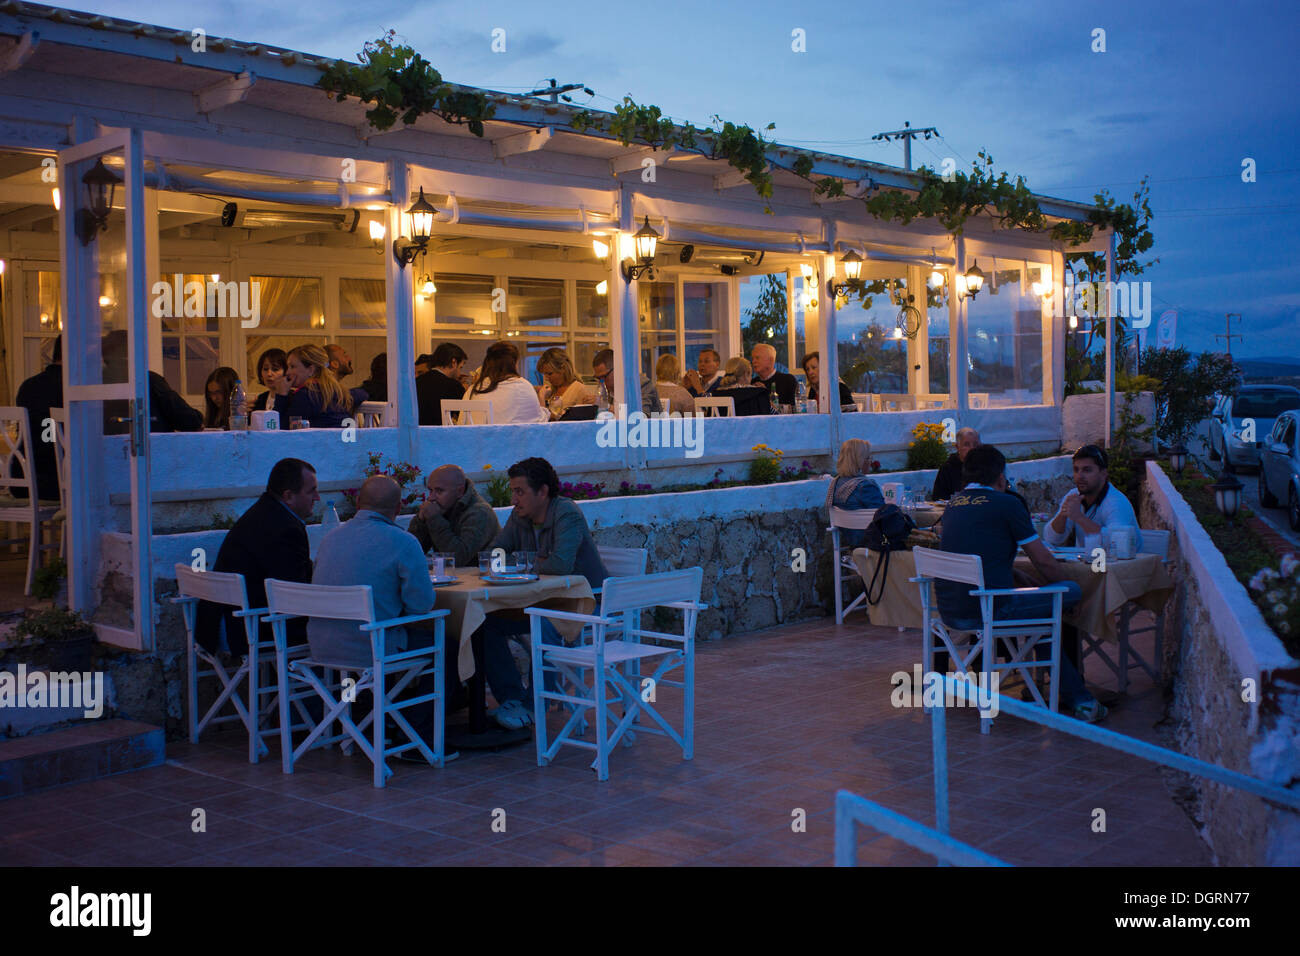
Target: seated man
{"type": "Point", "coordinates": [763, 359]}
{"type": "Point", "coordinates": [1092, 505]}
{"type": "Point", "coordinates": [440, 381]}
{"type": "Point", "coordinates": [555, 528]}
{"type": "Point", "coordinates": [703, 381]}
{"type": "Point", "coordinates": [268, 541]}
{"type": "Point", "coordinates": [948, 479]}
{"type": "Point", "coordinates": [983, 519]}
{"type": "Point", "coordinates": [454, 518]}
{"type": "Point", "coordinates": [371, 549]}
{"type": "Point", "coordinates": [602, 366]}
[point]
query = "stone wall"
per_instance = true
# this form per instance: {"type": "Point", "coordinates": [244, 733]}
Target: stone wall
{"type": "Point", "coordinates": [1214, 639]}
{"type": "Point", "coordinates": [1083, 418]}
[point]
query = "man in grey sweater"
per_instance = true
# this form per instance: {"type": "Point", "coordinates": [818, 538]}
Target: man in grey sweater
{"type": "Point", "coordinates": [555, 528]}
{"type": "Point", "coordinates": [455, 519]}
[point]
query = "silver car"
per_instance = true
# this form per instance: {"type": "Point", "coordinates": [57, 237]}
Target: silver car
{"type": "Point", "coordinates": [1240, 423]}
{"type": "Point", "coordinates": [1279, 470]}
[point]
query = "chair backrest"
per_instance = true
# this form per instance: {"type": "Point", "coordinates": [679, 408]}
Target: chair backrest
{"type": "Point", "coordinates": [468, 408]}
{"type": "Point", "coordinates": [345, 603]}
{"type": "Point", "coordinates": [15, 446]}
{"type": "Point", "coordinates": [60, 417]}
{"type": "Point", "coordinates": [220, 587]}
{"type": "Point", "coordinates": [979, 399]}
{"type": "Point", "coordinates": [947, 566]}
{"type": "Point", "coordinates": [650, 590]}
{"type": "Point", "coordinates": [859, 518]}
{"type": "Point", "coordinates": [712, 406]}
{"type": "Point", "coordinates": [1155, 541]}
{"type": "Point", "coordinates": [623, 562]}
{"type": "Point", "coordinates": [371, 414]}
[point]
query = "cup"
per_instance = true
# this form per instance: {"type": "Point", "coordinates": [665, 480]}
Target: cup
{"type": "Point", "coordinates": [530, 562]}
{"type": "Point", "coordinates": [445, 562]}
{"type": "Point", "coordinates": [239, 423]}
{"type": "Point", "coordinates": [1091, 543]}
{"type": "Point", "coordinates": [485, 562]}
{"type": "Point", "coordinates": [295, 423]}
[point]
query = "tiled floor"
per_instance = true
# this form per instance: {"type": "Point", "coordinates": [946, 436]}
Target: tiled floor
{"type": "Point", "coordinates": [786, 718]}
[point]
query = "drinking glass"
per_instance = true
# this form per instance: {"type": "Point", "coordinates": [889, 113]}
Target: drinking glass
{"type": "Point", "coordinates": [530, 562]}
{"type": "Point", "coordinates": [1091, 543]}
{"type": "Point", "coordinates": [485, 562]}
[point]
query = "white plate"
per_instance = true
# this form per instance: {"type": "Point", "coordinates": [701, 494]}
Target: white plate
{"type": "Point", "coordinates": [507, 578]}
{"type": "Point", "coordinates": [438, 582]}
{"type": "Point", "coordinates": [1068, 554]}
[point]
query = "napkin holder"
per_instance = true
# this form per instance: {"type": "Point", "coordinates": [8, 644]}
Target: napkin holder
{"type": "Point", "coordinates": [264, 421]}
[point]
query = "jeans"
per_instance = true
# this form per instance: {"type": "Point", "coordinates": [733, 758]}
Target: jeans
{"type": "Point", "coordinates": [498, 664]}
{"type": "Point", "coordinates": [1072, 690]}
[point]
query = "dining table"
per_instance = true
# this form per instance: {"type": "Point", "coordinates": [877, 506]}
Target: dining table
{"type": "Point", "coordinates": [469, 600]}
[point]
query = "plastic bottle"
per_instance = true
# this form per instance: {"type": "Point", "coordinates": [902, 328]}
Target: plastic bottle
{"type": "Point", "coordinates": [330, 520]}
{"type": "Point", "coordinates": [238, 399]}
{"type": "Point", "coordinates": [774, 399]}
{"type": "Point", "coordinates": [602, 396]}
{"type": "Point", "coordinates": [801, 398]}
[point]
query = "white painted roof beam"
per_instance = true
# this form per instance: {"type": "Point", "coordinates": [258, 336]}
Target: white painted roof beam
{"type": "Point", "coordinates": [227, 92]}
{"type": "Point", "coordinates": [526, 142]}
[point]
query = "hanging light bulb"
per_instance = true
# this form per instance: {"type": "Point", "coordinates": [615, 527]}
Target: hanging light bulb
{"type": "Point", "coordinates": [600, 248]}
{"type": "Point", "coordinates": [57, 203]}
{"type": "Point", "coordinates": [427, 289]}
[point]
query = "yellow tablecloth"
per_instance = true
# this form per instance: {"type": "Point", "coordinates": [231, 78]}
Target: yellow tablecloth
{"type": "Point", "coordinates": [1143, 580]}
{"type": "Point", "coordinates": [469, 602]}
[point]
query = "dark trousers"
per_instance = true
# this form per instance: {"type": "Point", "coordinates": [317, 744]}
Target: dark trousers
{"type": "Point", "coordinates": [420, 716]}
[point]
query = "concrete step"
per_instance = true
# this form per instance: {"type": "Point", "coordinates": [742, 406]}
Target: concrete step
{"type": "Point", "coordinates": [86, 751]}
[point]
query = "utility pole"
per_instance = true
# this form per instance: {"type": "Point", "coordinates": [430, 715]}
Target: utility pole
{"type": "Point", "coordinates": [906, 134]}
{"type": "Point", "coordinates": [1229, 335]}
{"type": "Point", "coordinates": [555, 92]}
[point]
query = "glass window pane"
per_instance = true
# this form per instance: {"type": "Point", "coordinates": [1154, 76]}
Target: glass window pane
{"type": "Point", "coordinates": [363, 349]}
{"type": "Point", "coordinates": [290, 302]}
{"type": "Point", "coordinates": [584, 350]}
{"type": "Point", "coordinates": [658, 307]}
{"type": "Point", "coordinates": [534, 302]}
{"type": "Point", "coordinates": [171, 355]}
{"type": "Point", "coordinates": [41, 302]}
{"type": "Point", "coordinates": [704, 314]}
{"type": "Point", "coordinates": [871, 358]}
{"type": "Point", "coordinates": [464, 300]}
{"type": "Point", "coordinates": [1005, 358]}
{"type": "Point", "coordinates": [938, 338]}
{"type": "Point", "coordinates": [362, 305]}
{"type": "Point", "coordinates": [763, 316]}
{"type": "Point", "coordinates": [201, 357]}
{"type": "Point", "coordinates": [593, 305]}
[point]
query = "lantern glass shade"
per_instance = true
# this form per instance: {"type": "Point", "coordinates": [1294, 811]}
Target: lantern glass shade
{"type": "Point", "coordinates": [421, 213]}
{"type": "Point", "coordinates": [852, 263]}
{"type": "Point", "coordinates": [1227, 494]}
{"type": "Point", "coordinates": [101, 183]}
{"type": "Point", "coordinates": [647, 240]}
{"type": "Point", "coordinates": [1074, 322]}
{"type": "Point", "coordinates": [936, 279]}
{"type": "Point", "coordinates": [1178, 458]}
{"type": "Point", "coordinates": [428, 288]}
{"type": "Point", "coordinates": [974, 278]}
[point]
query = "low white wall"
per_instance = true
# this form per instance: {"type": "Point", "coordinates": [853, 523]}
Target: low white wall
{"type": "Point", "coordinates": [1216, 639]}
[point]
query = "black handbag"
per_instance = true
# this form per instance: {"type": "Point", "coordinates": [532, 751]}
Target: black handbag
{"type": "Point", "coordinates": [887, 533]}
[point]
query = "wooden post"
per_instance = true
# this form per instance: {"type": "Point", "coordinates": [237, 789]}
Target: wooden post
{"type": "Point", "coordinates": [399, 296]}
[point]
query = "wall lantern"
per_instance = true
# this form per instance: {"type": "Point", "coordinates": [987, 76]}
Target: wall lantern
{"type": "Point", "coordinates": [974, 280]}
{"type": "Point", "coordinates": [101, 184]}
{"type": "Point", "coordinates": [1178, 458]}
{"type": "Point", "coordinates": [1227, 493]}
{"type": "Point", "coordinates": [646, 242]}
{"type": "Point", "coordinates": [421, 213]}
{"type": "Point", "coordinates": [377, 232]}
{"type": "Point", "coordinates": [852, 263]}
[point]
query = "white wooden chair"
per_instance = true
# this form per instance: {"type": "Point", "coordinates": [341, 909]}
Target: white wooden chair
{"type": "Point", "coordinates": [622, 562]}
{"type": "Point", "coordinates": [1017, 637]}
{"type": "Point", "coordinates": [468, 409]}
{"type": "Point", "coordinates": [60, 417]}
{"type": "Point", "coordinates": [286, 600]}
{"type": "Point", "coordinates": [372, 414]}
{"type": "Point", "coordinates": [260, 701]}
{"type": "Point", "coordinates": [1154, 541]}
{"type": "Point", "coordinates": [842, 557]}
{"type": "Point", "coordinates": [16, 448]}
{"type": "Point", "coordinates": [621, 604]}
{"type": "Point", "coordinates": [714, 407]}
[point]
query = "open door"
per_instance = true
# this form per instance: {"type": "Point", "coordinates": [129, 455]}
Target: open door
{"type": "Point", "coordinates": [106, 380]}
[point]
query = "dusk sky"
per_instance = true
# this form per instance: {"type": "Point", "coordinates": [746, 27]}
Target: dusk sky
{"type": "Point", "coordinates": [1184, 92]}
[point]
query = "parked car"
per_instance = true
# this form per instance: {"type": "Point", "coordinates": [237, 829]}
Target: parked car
{"type": "Point", "coordinates": [1240, 423]}
{"type": "Point", "coordinates": [1279, 471]}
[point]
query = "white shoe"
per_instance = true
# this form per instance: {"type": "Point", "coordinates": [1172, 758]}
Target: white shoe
{"type": "Point", "coordinates": [512, 715]}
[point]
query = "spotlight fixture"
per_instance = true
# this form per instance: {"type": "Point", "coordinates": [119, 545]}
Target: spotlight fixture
{"type": "Point", "coordinates": [852, 263]}
{"type": "Point", "coordinates": [405, 250]}
{"type": "Point", "coordinates": [101, 184]}
{"type": "Point", "coordinates": [228, 213]}
{"type": "Point", "coordinates": [647, 241]}
{"type": "Point", "coordinates": [687, 254]}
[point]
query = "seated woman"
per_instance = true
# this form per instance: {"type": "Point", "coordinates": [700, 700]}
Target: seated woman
{"type": "Point", "coordinates": [512, 399]}
{"type": "Point", "coordinates": [749, 399]}
{"type": "Point", "coordinates": [811, 368]}
{"type": "Point", "coordinates": [217, 393]}
{"type": "Point", "coordinates": [851, 489]}
{"type": "Point", "coordinates": [668, 371]}
{"type": "Point", "coordinates": [376, 386]}
{"type": "Point", "coordinates": [317, 395]}
{"type": "Point", "coordinates": [271, 366]}
{"type": "Point", "coordinates": [563, 388]}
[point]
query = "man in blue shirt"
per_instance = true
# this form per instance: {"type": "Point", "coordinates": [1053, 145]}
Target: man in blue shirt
{"type": "Point", "coordinates": [984, 519]}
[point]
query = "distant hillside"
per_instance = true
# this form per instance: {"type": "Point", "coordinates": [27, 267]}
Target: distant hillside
{"type": "Point", "coordinates": [1270, 368]}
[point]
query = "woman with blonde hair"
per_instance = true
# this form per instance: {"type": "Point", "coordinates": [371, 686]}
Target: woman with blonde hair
{"type": "Point", "coordinates": [562, 389]}
{"type": "Point", "coordinates": [851, 489]}
{"type": "Point", "coordinates": [512, 399]}
{"type": "Point", "coordinates": [668, 371]}
{"type": "Point", "coordinates": [317, 395]}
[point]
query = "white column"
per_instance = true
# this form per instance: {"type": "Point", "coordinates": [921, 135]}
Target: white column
{"type": "Point", "coordinates": [957, 332]}
{"type": "Point", "coordinates": [152, 271]}
{"type": "Point", "coordinates": [399, 291]}
{"type": "Point", "coordinates": [828, 368]}
{"type": "Point", "coordinates": [1110, 335]}
{"type": "Point", "coordinates": [627, 360]}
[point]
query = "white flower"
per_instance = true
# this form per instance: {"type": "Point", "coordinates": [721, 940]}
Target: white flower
{"type": "Point", "coordinates": [1274, 595]}
{"type": "Point", "coordinates": [1257, 581]}
{"type": "Point", "coordinates": [1283, 627]}
{"type": "Point", "coordinates": [1280, 609]}
{"type": "Point", "coordinates": [1290, 563]}
{"type": "Point", "coordinates": [1269, 574]}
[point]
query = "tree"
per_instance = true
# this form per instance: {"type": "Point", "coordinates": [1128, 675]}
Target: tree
{"type": "Point", "coordinates": [1186, 385]}
{"type": "Point", "coordinates": [768, 320]}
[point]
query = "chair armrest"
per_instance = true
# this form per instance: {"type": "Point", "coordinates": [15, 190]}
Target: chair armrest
{"type": "Point", "coordinates": [568, 616]}
{"type": "Point", "coordinates": [409, 619]}
{"type": "Point", "coordinates": [409, 655]}
{"type": "Point", "coordinates": [251, 612]}
{"type": "Point", "coordinates": [1002, 592]}
{"type": "Point", "coordinates": [272, 618]}
{"type": "Point", "coordinates": [687, 605]}
{"type": "Point", "coordinates": [184, 599]}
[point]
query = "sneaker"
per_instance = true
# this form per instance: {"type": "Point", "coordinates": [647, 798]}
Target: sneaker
{"type": "Point", "coordinates": [512, 715]}
{"type": "Point", "coordinates": [1094, 711]}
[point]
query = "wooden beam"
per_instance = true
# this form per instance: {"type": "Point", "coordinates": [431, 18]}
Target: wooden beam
{"type": "Point", "coordinates": [13, 58]}
{"type": "Point", "coordinates": [627, 162]}
{"type": "Point", "coordinates": [525, 142]}
{"type": "Point", "coordinates": [226, 92]}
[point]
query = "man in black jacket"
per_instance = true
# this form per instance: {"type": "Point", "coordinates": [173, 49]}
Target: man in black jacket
{"type": "Point", "coordinates": [269, 541]}
{"type": "Point", "coordinates": [38, 395]}
{"type": "Point", "coordinates": [948, 481]}
{"type": "Point", "coordinates": [441, 381]}
{"type": "Point", "coordinates": [763, 358]}
{"type": "Point", "coordinates": [168, 411]}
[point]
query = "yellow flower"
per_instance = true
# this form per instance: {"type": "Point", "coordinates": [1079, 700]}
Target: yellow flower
{"type": "Point", "coordinates": [487, 467]}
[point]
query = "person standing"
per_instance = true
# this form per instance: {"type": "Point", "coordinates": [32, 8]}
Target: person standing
{"type": "Point", "coordinates": [454, 518]}
{"type": "Point", "coordinates": [948, 479]}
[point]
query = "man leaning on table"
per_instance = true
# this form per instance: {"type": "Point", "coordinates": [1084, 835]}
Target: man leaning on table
{"type": "Point", "coordinates": [454, 519]}
{"type": "Point", "coordinates": [984, 519]}
{"type": "Point", "coordinates": [1092, 506]}
{"type": "Point", "coordinates": [556, 530]}
{"type": "Point", "coordinates": [371, 549]}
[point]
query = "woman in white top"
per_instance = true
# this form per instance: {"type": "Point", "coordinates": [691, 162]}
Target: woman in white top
{"type": "Point", "coordinates": [512, 399]}
{"type": "Point", "coordinates": [668, 371]}
{"type": "Point", "coordinates": [563, 389]}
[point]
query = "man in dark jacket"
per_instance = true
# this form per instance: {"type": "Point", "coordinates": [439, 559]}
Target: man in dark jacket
{"type": "Point", "coordinates": [948, 481]}
{"type": "Point", "coordinates": [455, 518]}
{"type": "Point", "coordinates": [268, 541]}
{"type": "Point", "coordinates": [38, 395]}
{"type": "Point", "coordinates": [168, 412]}
{"type": "Point", "coordinates": [441, 381]}
{"type": "Point", "coordinates": [763, 358]}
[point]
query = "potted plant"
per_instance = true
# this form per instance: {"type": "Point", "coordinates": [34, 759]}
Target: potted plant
{"type": "Point", "coordinates": [65, 637]}
{"type": "Point", "coordinates": [48, 581]}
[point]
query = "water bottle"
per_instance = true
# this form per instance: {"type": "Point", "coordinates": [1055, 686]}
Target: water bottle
{"type": "Point", "coordinates": [801, 398]}
{"type": "Point", "coordinates": [602, 396]}
{"type": "Point", "coordinates": [774, 399]}
{"type": "Point", "coordinates": [330, 521]}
